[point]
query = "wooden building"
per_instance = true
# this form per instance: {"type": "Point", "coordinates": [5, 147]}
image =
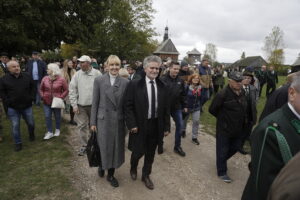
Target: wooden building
{"type": "Point", "coordinates": [194, 56]}
{"type": "Point", "coordinates": [167, 49]}
{"type": "Point", "coordinates": [252, 61]}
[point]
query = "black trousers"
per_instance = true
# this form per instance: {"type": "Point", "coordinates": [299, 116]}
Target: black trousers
{"type": "Point", "coordinates": [271, 87]}
{"type": "Point", "coordinates": [150, 147]}
{"type": "Point", "coordinates": [246, 133]}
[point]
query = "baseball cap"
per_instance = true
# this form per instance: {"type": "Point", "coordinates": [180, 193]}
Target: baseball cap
{"type": "Point", "coordinates": [85, 58]}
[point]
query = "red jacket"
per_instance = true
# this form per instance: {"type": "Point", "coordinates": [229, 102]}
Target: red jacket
{"type": "Point", "coordinates": [53, 88]}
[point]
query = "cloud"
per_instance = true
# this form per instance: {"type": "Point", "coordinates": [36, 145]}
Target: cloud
{"type": "Point", "coordinates": [233, 26]}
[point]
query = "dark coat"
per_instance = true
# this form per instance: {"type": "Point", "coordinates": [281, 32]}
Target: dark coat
{"type": "Point", "coordinates": [286, 184]}
{"type": "Point", "coordinates": [135, 76]}
{"type": "Point", "coordinates": [251, 103]}
{"type": "Point", "coordinates": [108, 115]}
{"type": "Point", "coordinates": [136, 113]}
{"type": "Point", "coordinates": [17, 93]}
{"type": "Point", "coordinates": [41, 68]}
{"type": "Point", "coordinates": [230, 111]}
{"type": "Point", "coordinates": [261, 76]}
{"type": "Point", "coordinates": [276, 100]}
{"type": "Point", "coordinates": [176, 92]}
{"type": "Point", "coordinates": [260, 179]}
{"type": "Point", "coordinates": [272, 78]}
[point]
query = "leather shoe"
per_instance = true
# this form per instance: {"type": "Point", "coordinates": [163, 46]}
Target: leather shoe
{"type": "Point", "coordinates": [31, 137]}
{"type": "Point", "coordinates": [179, 151]}
{"type": "Point", "coordinates": [183, 134]}
{"type": "Point", "coordinates": [18, 147]}
{"type": "Point", "coordinates": [148, 182]}
{"type": "Point", "coordinates": [101, 172]}
{"type": "Point", "coordinates": [133, 174]}
{"type": "Point", "coordinates": [160, 149]}
{"type": "Point", "coordinates": [113, 181]}
{"type": "Point", "coordinates": [242, 151]}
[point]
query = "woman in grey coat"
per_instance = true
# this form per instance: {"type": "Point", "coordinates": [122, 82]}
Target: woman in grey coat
{"type": "Point", "coordinates": [107, 118]}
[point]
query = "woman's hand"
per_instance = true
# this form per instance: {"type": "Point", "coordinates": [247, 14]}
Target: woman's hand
{"type": "Point", "coordinates": [93, 128]}
{"type": "Point", "coordinates": [134, 130]}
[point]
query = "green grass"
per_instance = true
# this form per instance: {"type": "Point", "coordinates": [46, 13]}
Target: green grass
{"type": "Point", "coordinates": [41, 170]}
{"type": "Point", "coordinates": [209, 122]}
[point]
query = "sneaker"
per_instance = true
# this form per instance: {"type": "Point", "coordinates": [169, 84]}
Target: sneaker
{"type": "Point", "coordinates": [195, 141]}
{"type": "Point", "coordinates": [48, 135]}
{"type": "Point", "coordinates": [225, 178]}
{"type": "Point", "coordinates": [82, 151]}
{"type": "Point", "coordinates": [57, 133]}
{"type": "Point", "coordinates": [179, 151]}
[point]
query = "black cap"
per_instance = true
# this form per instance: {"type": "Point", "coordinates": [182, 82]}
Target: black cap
{"type": "Point", "coordinates": [236, 76]}
{"type": "Point", "coordinates": [183, 63]}
{"type": "Point", "coordinates": [247, 73]}
{"type": "Point", "coordinates": [35, 52]}
{"type": "Point", "coordinates": [4, 54]}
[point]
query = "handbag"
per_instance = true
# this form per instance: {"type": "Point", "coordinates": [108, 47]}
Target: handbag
{"type": "Point", "coordinates": [93, 151]}
{"type": "Point", "coordinates": [57, 103]}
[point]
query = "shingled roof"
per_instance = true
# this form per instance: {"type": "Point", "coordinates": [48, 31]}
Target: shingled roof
{"type": "Point", "coordinates": [193, 52]}
{"type": "Point", "coordinates": [166, 47]}
{"type": "Point", "coordinates": [251, 61]}
{"type": "Point", "coordinates": [297, 62]}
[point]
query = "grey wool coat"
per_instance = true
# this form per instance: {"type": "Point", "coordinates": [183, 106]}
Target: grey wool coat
{"type": "Point", "coordinates": [108, 116]}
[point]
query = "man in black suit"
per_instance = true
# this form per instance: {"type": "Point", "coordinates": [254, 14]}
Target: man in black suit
{"type": "Point", "coordinates": [37, 70]}
{"type": "Point", "coordinates": [272, 79]}
{"type": "Point", "coordinates": [147, 117]}
{"type": "Point", "coordinates": [132, 72]}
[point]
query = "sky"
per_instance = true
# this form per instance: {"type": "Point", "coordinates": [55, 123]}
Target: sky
{"type": "Point", "coordinates": [233, 26]}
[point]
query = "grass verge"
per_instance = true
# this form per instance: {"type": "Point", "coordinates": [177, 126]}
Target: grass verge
{"type": "Point", "coordinates": [42, 170]}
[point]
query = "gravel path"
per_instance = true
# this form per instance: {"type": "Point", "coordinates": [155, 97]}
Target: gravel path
{"type": "Point", "coordinates": [174, 177]}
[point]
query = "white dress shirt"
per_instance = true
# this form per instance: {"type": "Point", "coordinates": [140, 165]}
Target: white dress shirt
{"type": "Point", "coordinates": [148, 84]}
{"type": "Point", "coordinates": [112, 79]}
{"type": "Point", "coordinates": [294, 111]}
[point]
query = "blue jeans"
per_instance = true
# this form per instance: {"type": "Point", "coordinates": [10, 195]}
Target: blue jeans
{"type": "Point", "coordinates": [177, 117]}
{"type": "Point", "coordinates": [37, 95]}
{"type": "Point", "coordinates": [204, 95]}
{"type": "Point", "coordinates": [48, 115]}
{"type": "Point", "coordinates": [15, 116]}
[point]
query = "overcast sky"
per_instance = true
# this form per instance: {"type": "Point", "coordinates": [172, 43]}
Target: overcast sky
{"type": "Point", "coordinates": [233, 26]}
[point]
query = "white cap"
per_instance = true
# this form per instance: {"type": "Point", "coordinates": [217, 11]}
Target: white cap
{"type": "Point", "coordinates": [85, 58]}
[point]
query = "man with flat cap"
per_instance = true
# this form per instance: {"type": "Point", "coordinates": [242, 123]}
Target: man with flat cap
{"type": "Point", "coordinates": [37, 70]}
{"type": "Point", "coordinates": [229, 107]}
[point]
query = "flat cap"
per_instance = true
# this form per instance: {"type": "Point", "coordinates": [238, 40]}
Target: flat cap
{"type": "Point", "coordinates": [236, 76]}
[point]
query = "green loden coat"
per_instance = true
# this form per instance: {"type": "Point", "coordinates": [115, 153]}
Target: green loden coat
{"type": "Point", "coordinates": [259, 181]}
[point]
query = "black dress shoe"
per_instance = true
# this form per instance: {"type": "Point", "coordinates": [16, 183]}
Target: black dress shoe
{"type": "Point", "coordinates": [133, 174]}
{"type": "Point", "coordinates": [160, 149]}
{"type": "Point", "coordinates": [31, 137]}
{"type": "Point", "coordinates": [101, 172]}
{"type": "Point", "coordinates": [183, 134]}
{"type": "Point", "coordinates": [18, 147]}
{"type": "Point", "coordinates": [179, 151]}
{"type": "Point", "coordinates": [72, 122]}
{"type": "Point", "coordinates": [148, 182]}
{"type": "Point", "coordinates": [113, 181]}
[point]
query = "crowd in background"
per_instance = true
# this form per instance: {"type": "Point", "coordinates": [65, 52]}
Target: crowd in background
{"type": "Point", "coordinates": [143, 96]}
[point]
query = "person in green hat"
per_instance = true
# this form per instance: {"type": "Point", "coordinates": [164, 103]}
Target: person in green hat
{"type": "Point", "coordinates": [273, 143]}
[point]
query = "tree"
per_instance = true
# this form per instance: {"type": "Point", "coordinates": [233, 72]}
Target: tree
{"type": "Point", "coordinates": [27, 25]}
{"type": "Point", "coordinates": [210, 52]}
{"type": "Point", "coordinates": [274, 46]}
{"type": "Point", "coordinates": [243, 56]}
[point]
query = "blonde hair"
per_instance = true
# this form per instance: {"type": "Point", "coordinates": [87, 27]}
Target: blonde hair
{"type": "Point", "coordinates": [54, 68]}
{"type": "Point", "coordinates": [113, 59]}
{"type": "Point", "coordinates": [64, 70]}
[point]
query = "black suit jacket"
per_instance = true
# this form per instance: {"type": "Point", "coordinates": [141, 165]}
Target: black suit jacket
{"type": "Point", "coordinates": [136, 112]}
{"type": "Point", "coordinates": [41, 69]}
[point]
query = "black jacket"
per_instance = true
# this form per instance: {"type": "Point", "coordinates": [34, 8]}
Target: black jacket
{"type": "Point", "coordinates": [17, 93]}
{"type": "Point", "coordinates": [176, 92]}
{"type": "Point", "coordinates": [230, 111]}
{"type": "Point", "coordinates": [136, 112]}
{"type": "Point", "coordinates": [272, 78]}
{"type": "Point", "coordinates": [41, 68]}
{"type": "Point", "coordinates": [275, 101]}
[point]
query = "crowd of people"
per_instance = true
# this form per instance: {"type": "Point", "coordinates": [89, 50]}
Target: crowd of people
{"type": "Point", "coordinates": [139, 99]}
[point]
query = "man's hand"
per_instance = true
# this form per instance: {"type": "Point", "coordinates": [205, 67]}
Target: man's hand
{"type": "Point", "coordinates": [93, 128]}
{"type": "Point", "coordinates": [134, 130]}
{"type": "Point", "coordinates": [76, 110]}
{"type": "Point", "coordinates": [166, 133]}
{"type": "Point", "coordinates": [185, 110]}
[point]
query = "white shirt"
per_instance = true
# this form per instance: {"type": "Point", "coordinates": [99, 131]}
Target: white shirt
{"type": "Point", "coordinates": [294, 111]}
{"type": "Point", "coordinates": [148, 84]}
{"type": "Point", "coordinates": [112, 79]}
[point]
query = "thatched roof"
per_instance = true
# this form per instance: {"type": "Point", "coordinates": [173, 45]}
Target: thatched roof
{"type": "Point", "coordinates": [251, 61]}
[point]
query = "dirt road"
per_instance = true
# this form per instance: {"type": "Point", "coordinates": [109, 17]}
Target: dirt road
{"type": "Point", "coordinates": [177, 178]}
